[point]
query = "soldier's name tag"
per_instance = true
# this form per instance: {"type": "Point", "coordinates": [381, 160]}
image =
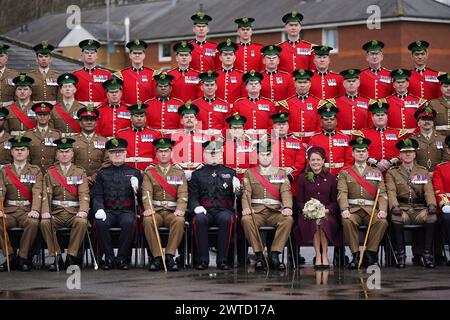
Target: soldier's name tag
{"type": "Point", "coordinates": [411, 104]}
{"type": "Point", "coordinates": [48, 142]}
{"type": "Point", "coordinates": [147, 138]}
{"type": "Point", "coordinates": [263, 107]}
{"type": "Point", "coordinates": [100, 78]}
{"type": "Point", "coordinates": [361, 104]}
{"type": "Point", "coordinates": [220, 108]}
{"type": "Point", "coordinates": [31, 113]}
{"type": "Point", "coordinates": [27, 178]}
{"type": "Point", "coordinates": [124, 115]}
{"type": "Point", "coordinates": [279, 80]}
{"type": "Point", "coordinates": [99, 144]}
{"type": "Point", "coordinates": [191, 79]}
{"type": "Point", "coordinates": [303, 51]}
{"type": "Point", "coordinates": [243, 148]}
{"type": "Point", "coordinates": [431, 79]}
{"type": "Point", "coordinates": [51, 82]}
{"type": "Point", "coordinates": [332, 82]}
{"type": "Point", "coordinates": [252, 53]}
{"type": "Point", "coordinates": [373, 176]}
{"type": "Point", "coordinates": [391, 136]}
{"type": "Point", "coordinates": [439, 144]}
{"type": "Point", "coordinates": [198, 139]}
{"type": "Point", "coordinates": [7, 145]}
{"type": "Point", "coordinates": [419, 179]}
{"type": "Point", "coordinates": [172, 108]}
{"type": "Point", "coordinates": [9, 81]}
{"type": "Point", "coordinates": [277, 178]}
{"type": "Point", "coordinates": [225, 175]}
{"type": "Point", "coordinates": [74, 180]}
{"type": "Point", "coordinates": [385, 79]}
{"type": "Point", "coordinates": [293, 145]}
{"type": "Point", "coordinates": [340, 143]}
{"type": "Point", "coordinates": [144, 78]}
{"type": "Point", "coordinates": [233, 79]}
{"type": "Point", "coordinates": [210, 52]}
{"type": "Point", "coordinates": [174, 179]}
{"type": "Point", "coordinates": [309, 106]}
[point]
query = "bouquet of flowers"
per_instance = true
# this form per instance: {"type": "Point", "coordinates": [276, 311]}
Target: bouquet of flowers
{"type": "Point", "coordinates": [314, 210]}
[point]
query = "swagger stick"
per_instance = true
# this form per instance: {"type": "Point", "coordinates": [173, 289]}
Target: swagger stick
{"type": "Point", "coordinates": [5, 238]}
{"type": "Point", "coordinates": [163, 256]}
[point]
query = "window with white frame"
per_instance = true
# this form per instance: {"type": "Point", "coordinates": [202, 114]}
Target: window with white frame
{"type": "Point", "coordinates": [330, 38]}
{"type": "Point", "coordinates": [164, 52]}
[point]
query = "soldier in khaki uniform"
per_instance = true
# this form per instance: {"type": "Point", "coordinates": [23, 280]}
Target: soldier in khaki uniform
{"type": "Point", "coordinates": [21, 117]}
{"type": "Point", "coordinates": [65, 202]}
{"type": "Point", "coordinates": [42, 147]}
{"type": "Point", "coordinates": [7, 89]}
{"type": "Point", "coordinates": [166, 186]}
{"type": "Point", "coordinates": [45, 88]}
{"type": "Point", "coordinates": [411, 200]}
{"type": "Point", "coordinates": [64, 115]}
{"type": "Point", "coordinates": [431, 149]}
{"type": "Point", "coordinates": [357, 188]}
{"type": "Point", "coordinates": [5, 145]}
{"type": "Point", "coordinates": [442, 106]}
{"type": "Point", "coordinates": [89, 148]}
{"type": "Point", "coordinates": [269, 190]}
{"type": "Point", "coordinates": [21, 186]}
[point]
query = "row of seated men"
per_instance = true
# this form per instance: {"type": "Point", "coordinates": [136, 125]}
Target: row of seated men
{"type": "Point", "coordinates": [60, 195]}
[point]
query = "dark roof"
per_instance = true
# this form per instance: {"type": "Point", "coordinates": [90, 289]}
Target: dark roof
{"type": "Point", "coordinates": [170, 19]}
{"type": "Point", "coordinates": [22, 58]}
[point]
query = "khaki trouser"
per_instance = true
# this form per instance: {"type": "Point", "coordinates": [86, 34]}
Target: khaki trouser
{"type": "Point", "coordinates": [351, 230]}
{"type": "Point", "coordinates": [64, 219]}
{"type": "Point", "coordinates": [414, 216]}
{"type": "Point", "coordinates": [176, 229]}
{"type": "Point", "coordinates": [19, 218]}
{"type": "Point", "coordinates": [268, 218]}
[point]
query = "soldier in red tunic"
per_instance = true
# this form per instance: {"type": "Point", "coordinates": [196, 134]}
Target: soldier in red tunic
{"type": "Point", "coordinates": [137, 79]}
{"type": "Point", "coordinates": [185, 84]}
{"type": "Point", "coordinates": [204, 53]}
{"type": "Point", "coordinates": [376, 82]}
{"type": "Point", "coordinates": [91, 77]}
{"type": "Point", "coordinates": [297, 53]}
{"type": "Point", "coordinates": [248, 56]}
{"type": "Point", "coordinates": [276, 85]}
{"type": "Point", "coordinates": [325, 83]}
{"type": "Point", "coordinates": [229, 80]}
{"type": "Point", "coordinates": [424, 82]}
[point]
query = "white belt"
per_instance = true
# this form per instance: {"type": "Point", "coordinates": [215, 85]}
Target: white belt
{"type": "Point", "coordinates": [334, 165]}
{"type": "Point", "coordinates": [169, 131]}
{"type": "Point", "coordinates": [86, 103]}
{"type": "Point", "coordinates": [17, 133]}
{"type": "Point", "coordinates": [66, 203]}
{"type": "Point", "coordinates": [443, 127]}
{"type": "Point", "coordinates": [7, 103]}
{"type": "Point", "coordinates": [138, 159]}
{"type": "Point", "coordinates": [304, 134]}
{"type": "Point", "coordinates": [361, 202]}
{"type": "Point", "coordinates": [256, 131]}
{"type": "Point", "coordinates": [347, 132]}
{"type": "Point", "coordinates": [406, 130]}
{"type": "Point", "coordinates": [211, 131]}
{"type": "Point", "coordinates": [266, 201]}
{"type": "Point", "coordinates": [69, 134]}
{"type": "Point", "coordinates": [48, 101]}
{"type": "Point", "coordinates": [189, 165]}
{"type": "Point", "coordinates": [18, 203]}
{"type": "Point", "coordinates": [164, 203]}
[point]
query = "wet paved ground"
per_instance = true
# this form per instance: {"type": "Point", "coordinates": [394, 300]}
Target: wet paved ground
{"type": "Point", "coordinates": [411, 283]}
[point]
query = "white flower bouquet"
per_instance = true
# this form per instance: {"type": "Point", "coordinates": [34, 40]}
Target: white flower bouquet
{"type": "Point", "coordinates": [314, 210]}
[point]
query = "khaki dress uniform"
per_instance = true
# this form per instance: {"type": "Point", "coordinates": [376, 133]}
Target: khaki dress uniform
{"type": "Point", "coordinates": [431, 151]}
{"type": "Point", "coordinates": [42, 148]}
{"type": "Point", "coordinates": [7, 88]}
{"type": "Point", "coordinates": [442, 121]}
{"type": "Point", "coordinates": [45, 88]}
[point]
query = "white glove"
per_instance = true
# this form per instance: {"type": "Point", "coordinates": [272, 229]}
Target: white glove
{"type": "Point", "coordinates": [100, 214]}
{"type": "Point", "coordinates": [188, 174]}
{"type": "Point", "coordinates": [446, 208]}
{"type": "Point", "coordinates": [200, 209]}
{"type": "Point", "coordinates": [236, 184]}
{"type": "Point", "coordinates": [134, 183]}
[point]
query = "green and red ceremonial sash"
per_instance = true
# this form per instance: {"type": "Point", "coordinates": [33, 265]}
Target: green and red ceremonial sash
{"type": "Point", "coordinates": [363, 182]}
{"type": "Point", "coordinates": [164, 184]}
{"type": "Point", "coordinates": [73, 190]}
{"type": "Point", "coordinates": [266, 184]}
{"type": "Point", "coordinates": [19, 185]}
{"type": "Point", "coordinates": [68, 119]}
{"type": "Point", "coordinates": [22, 117]}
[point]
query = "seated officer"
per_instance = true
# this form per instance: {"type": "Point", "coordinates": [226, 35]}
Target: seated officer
{"type": "Point", "coordinates": [267, 196]}
{"type": "Point", "coordinates": [211, 197]}
{"type": "Point", "coordinates": [357, 189]}
{"type": "Point", "coordinates": [164, 194]}
{"type": "Point", "coordinates": [65, 202]}
{"type": "Point", "coordinates": [114, 203]}
{"type": "Point", "coordinates": [21, 186]}
{"type": "Point", "coordinates": [411, 200]}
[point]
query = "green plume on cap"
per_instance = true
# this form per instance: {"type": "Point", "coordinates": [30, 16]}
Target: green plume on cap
{"type": "Point", "coordinates": [139, 104]}
{"type": "Point", "coordinates": [428, 110]}
{"type": "Point", "coordinates": [188, 104]}
{"type": "Point", "coordinates": [408, 142]}
{"type": "Point", "coordinates": [302, 72]}
{"type": "Point", "coordinates": [163, 75]}
{"type": "Point", "coordinates": [45, 44]}
{"type": "Point", "coordinates": [419, 43]}
{"type": "Point", "coordinates": [374, 42]}
{"type": "Point", "coordinates": [113, 81]}
{"type": "Point", "coordinates": [137, 42]}
{"type": "Point", "coordinates": [252, 73]}
{"type": "Point", "coordinates": [228, 42]}
{"type": "Point", "coordinates": [360, 140]}
{"type": "Point", "coordinates": [294, 13]}
{"type": "Point", "coordinates": [351, 71]}
{"type": "Point", "coordinates": [64, 140]}
{"type": "Point", "coordinates": [115, 142]}
{"type": "Point", "coordinates": [183, 44]}
{"type": "Point", "coordinates": [90, 42]}
{"type": "Point", "coordinates": [19, 137]}
{"type": "Point", "coordinates": [399, 71]}
{"type": "Point", "coordinates": [200, 14]}
{"type": "Point", "coordinates": [237, 116]}
{"type": "Point", "coordinates": [22, 77]}
{"type": "Point", "coordinates": [90, 108]}
{"type": "Point", "coordinates": [245, 19]}
{"type": "Point", "coordinates": [210, 72]}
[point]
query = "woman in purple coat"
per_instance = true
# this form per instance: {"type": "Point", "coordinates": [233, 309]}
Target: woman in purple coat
{"type": "Point", "coordinates": [316, 182]}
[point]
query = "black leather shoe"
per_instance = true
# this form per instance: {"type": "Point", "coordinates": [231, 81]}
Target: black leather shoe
{"type": "Point", "coordinates": [401, 259]}
{"type": "Point", "coordinates": [372, 258]}
{"type": "Point", "coordinates": [223, 266]}
{"type": "Point", "coordinates": [354, 262]}
{"type": "Point", "coordinates": [202, 266]}
{"type": "Point", "coordinates": [23, 265]}
{"type": "Point", "coordinates": [170, 262]}
{"type": "Point", "coordinates": [72, 261]}
{"type": "Point", "coordinates": [156, 264]}
{"type": "Point", "coordinates": [58, 261]}
{"type": "Point", "coordinates": [417, 260]}
{"type": "Point", "coordinates": [428, 259]}
{"type": "Point", "coordinates": [123, 265]}
{"type": "Point", "coordinates": [259, 265]}
{"type": "Point", "coordinates": [12, 264]}
{"type": "Point", "coordinates": [301, 260]}
{"type": "Point", "coordinates": [274, 261]}
{"type": "Point", "coordinates": [108, 265]}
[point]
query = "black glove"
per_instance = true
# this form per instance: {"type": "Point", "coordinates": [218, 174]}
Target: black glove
{"type": "Point", "coordinates": [396, 211]}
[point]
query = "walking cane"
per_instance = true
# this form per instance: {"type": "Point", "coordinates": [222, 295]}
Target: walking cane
{"type": "Point", "coordinates": [92, 250]}
{"type": "Point", "coordinates": [368, 229]}
{"type": "Point", "coordinates": [5, 232]}
{"type": "Point", "coordinates": [163, 256]}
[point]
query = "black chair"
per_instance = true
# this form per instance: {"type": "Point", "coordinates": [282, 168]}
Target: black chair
{"type": "Point", "coordinates": [37, 252]}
